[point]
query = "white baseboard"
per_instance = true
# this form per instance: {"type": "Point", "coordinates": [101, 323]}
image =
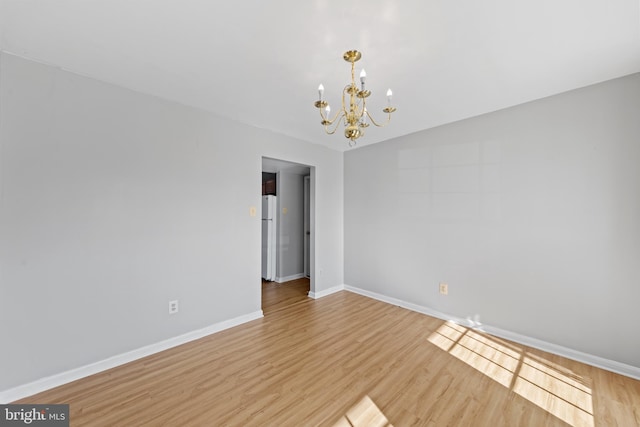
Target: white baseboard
{"type": "Point", "coordinates": [316, 295]}
{"type": "Point", "coordinates": [589, 359]}
{"type": "Point", "coordinates": [56, 380]}
{"type": "Point", "coordinates": [289, 278]}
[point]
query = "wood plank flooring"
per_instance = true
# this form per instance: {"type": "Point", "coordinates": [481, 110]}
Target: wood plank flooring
{"type": "Point", "coordinates": [345, 359]}
{"type": "Point", "coordinates": [276, 296]}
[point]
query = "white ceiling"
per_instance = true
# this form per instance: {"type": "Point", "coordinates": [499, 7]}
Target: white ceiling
{"type": "Point", "coordinates": [276, 165]}
{"type": "Point", "coordinates": [260, 62]}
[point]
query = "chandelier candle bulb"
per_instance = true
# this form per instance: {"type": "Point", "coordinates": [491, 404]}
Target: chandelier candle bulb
{"type": "Point", "coordinates": [363, 76]}
{"type": "Point", "coordinates": [327, 111]}
{"type": "Point", "coordinates": [320, 91]}
{"type": "Point", "coordinates": [389, 93]}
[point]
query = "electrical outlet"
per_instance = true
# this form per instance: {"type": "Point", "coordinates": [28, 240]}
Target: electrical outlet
{"type": "Point", "coordinates": [173, 306]}
{"type": "Point", "coordinates": [444, 289]}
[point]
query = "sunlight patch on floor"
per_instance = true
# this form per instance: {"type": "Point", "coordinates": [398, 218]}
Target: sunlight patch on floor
{"type": "Point", "coordinates": [557, 393]}
{"type": "Point", "coordinates": [365, 413]}
{"type": "Point", "coordinates": [493, 359]}
{"type": "Point", "coordinates": [552, 388]}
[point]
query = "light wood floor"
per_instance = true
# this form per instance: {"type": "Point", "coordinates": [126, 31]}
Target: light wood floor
{"type": "Point", "coordinates": [276, 296]}
{"type": "Point", "coordinates": [349, 360]}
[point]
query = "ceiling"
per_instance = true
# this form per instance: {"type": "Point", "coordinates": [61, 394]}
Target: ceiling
{"type": "Point", "coordinates": [276, 165]}
{"type": "Point", "coordinates": [260, 62]}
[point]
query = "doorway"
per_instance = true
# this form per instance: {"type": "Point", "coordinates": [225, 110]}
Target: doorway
{"type": "Point", "coordinates": [289, 186]}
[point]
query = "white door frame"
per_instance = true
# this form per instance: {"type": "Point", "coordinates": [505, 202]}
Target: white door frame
{"type": "Point", "coordinates": [307, 226]}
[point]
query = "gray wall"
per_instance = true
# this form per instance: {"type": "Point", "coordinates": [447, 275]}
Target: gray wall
{"type": "Point", "coordinates": [113, 202]}
{"type": "Point", "coordinates": [531, 214]}
{"type": "Point", "coordinates": [290, 225]}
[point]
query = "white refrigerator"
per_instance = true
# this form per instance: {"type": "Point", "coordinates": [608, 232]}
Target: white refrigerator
{"type": "Point", "coordinates": [269, 237]}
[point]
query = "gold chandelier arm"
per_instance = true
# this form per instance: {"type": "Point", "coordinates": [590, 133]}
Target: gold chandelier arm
{"type": "Point", "coordinates": [379, 124]}
{"type": "Point", "coordinates": [326, 120]}
{"type": "Point", "coordinates": [346, 90]}
{"type": "Point", "coordinates": [336, 120]}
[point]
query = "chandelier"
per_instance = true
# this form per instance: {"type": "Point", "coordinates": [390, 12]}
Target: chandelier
{"type": "Point", "coordinates": [354, 112]}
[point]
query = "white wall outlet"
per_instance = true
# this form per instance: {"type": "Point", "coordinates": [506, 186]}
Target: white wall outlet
{"type": "Point", "coordinates": [444, 288]}
{"type": "Point", "coordinates": [173, 306]}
